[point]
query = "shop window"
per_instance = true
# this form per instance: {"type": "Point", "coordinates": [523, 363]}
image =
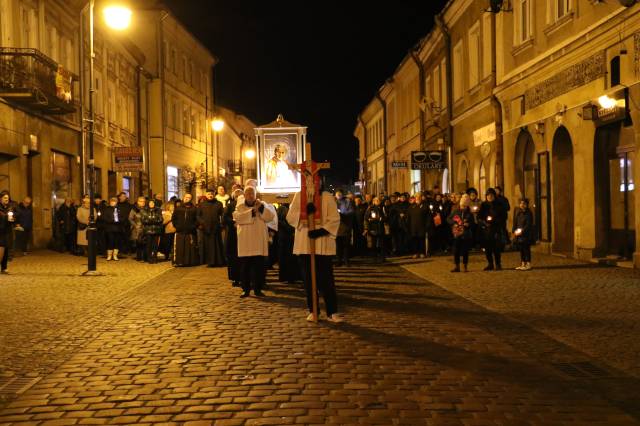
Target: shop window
{"type": "Point", "coordinates": [415, 182]}
{"type": "Point", "coordinates": [172, 182]}
{"type": "Point", "coordinates": [127, 186]}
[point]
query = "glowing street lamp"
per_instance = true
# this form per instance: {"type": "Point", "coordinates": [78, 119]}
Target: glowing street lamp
{"type": "Point", "coordinates": [217, 125]}
{"type": "Point", "coordinates": [250, 154]}
{"type": "Point", "coordinates": [117, 17]}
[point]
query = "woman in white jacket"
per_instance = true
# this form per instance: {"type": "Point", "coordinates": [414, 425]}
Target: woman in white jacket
{"type": "Point", "coordinates": [251, 219]}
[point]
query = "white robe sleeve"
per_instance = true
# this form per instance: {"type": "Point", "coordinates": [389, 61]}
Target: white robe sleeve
{"type": "Point", "coordinates": [242, 215]}
{"type": "Point", "coordinates": [293, 216]}
{"type": "Point", "coordinates": [330, 213]}
{"type": "Point", "coordinates": [268, 214]}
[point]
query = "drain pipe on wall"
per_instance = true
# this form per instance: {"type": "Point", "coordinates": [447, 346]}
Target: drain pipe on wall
{"type": "Point", "coordinates": [384, 140]}
{"type": "Point", "coordinates": [423, 92]}
{"type": "Point", "coordinates": [447, 42]}
{"type": "Point", "coordinates": [497, 107]}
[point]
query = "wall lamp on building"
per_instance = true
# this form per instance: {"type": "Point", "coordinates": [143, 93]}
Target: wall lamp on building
{"type": "Point", "coordinates": [117, 17]}
{"type": "Point", "coordinates": [217, 124]}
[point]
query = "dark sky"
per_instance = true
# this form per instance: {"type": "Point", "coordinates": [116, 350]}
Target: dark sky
{"type": "Point", "coordinates": [316, 62]}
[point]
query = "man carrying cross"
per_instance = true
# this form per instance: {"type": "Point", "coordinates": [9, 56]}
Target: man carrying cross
{"type": "Point", "coordinates": [317, 242]}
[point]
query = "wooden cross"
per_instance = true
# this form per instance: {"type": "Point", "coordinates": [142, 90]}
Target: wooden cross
{"type": "Point", "coordinates": [310, 184]}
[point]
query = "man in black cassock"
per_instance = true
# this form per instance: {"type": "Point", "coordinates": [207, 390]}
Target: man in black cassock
{"type": "Point", "coordinates": [288, 268]}
{"type": "Point", "coordinates": [231, 241]}
{"type": "Point", "coordinates": [210, 213]}
{"type": "Point", "coordinates": [186, 241]}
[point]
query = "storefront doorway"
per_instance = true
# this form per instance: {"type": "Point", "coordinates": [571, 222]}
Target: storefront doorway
{"type": "Point", "coordinates": [5, 180]}
{"type": "Point", "coordinates": [563, 193]}
{"type": "Point", "coordinates": [527, 178]}
{"type": "Point", "coordinates": [614, 158]}
{"type": "Point", "coordinates": [62, 178]}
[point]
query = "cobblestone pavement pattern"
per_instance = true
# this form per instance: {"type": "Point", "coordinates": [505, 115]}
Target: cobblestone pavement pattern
{"type": "Point", "coordinates": [590, 308]}
{"type": "Point", "coordinates": [182, 348]}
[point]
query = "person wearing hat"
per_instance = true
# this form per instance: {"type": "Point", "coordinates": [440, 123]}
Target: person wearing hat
{"type": "Point", "coordinates": [492, 220]}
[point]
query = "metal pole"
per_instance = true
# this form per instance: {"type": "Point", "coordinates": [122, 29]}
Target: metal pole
{"type": "Point", "coordinates": [91, 229]}
{"type": "Point", "coordinates": [206, 142]}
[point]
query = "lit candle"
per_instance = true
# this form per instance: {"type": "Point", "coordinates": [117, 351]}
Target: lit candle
{"type": "Point", "coordinates": [489, 218]}
{"type": "Point", "coordinates": [431, 206]}
{"type": "Point", "coordinates": [440, 207]}
{"type": "Point", "coordinates": [474, 209]}
{"type": "Point", "coordinates": [373, 215]}
{"type": "Point", "coordinates": [518, 231]}
{"type": "Point", "coordinates": [10, 214]}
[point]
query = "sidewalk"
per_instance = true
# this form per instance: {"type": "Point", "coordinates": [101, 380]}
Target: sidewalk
{"type": "Point", "coordinates": [590, 308]}
{"type": "Point", "coordinates": [44, 303]}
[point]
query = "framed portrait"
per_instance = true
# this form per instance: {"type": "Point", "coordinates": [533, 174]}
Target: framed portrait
{"type": "Point", "coordinates": [278, 151]}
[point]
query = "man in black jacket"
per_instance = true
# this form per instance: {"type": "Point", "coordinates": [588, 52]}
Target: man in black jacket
{"type": "Point", "coordinates": [209, 216]}
{"type": "Point", "coordinates": [124, 208]}
{"type": "Point", "coordinates": [492, 220]}
{"type": "Point", "coordinates": [67, 224]}
{"type": "Point", "coordinates": [24, 225]}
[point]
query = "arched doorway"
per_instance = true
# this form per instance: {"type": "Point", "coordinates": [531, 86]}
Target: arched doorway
{"type": "Point", "coordinates": [463, 176]}
{"type": "Point", "coordinates": [563, 194]}
{"type": "Point", "coordinates": [482, 180]}
{"type": "Point", "coordinates": [527, 174]}
{"type": "Point", "coordinates": [614, 158]}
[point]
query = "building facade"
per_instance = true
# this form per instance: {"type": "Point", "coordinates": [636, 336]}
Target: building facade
{"type": "Point", "coordinates": [152, 91]}
{"type": "Point", "coordinates": [539, 98]}
{"type": "Point", "coordinates": [568, 81]}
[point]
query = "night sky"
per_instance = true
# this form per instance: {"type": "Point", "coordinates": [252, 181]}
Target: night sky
{"type": "Point", "coordinates": [317, 63]}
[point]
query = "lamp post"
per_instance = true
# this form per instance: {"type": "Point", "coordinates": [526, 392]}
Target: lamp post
{"type": "Point", "coordinates": [118, 18]}
{"type": "Point", "coordinates": [217, 125]}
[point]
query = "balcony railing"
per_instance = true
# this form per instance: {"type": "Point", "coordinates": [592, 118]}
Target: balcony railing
{"type": "Point", "coordinates": [35, 81]}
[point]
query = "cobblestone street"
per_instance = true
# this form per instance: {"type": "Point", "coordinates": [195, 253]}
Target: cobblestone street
{"type": "Point", "coordinates": [147, 345]}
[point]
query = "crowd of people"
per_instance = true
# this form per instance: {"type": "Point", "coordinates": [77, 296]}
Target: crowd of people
{"type": "Point", "coordinates": [249, 236]}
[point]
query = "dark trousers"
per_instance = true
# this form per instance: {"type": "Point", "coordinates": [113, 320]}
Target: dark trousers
{"type": "Point", "coordinates": [113, 240]}
{"type": "Point", "coordinates": [140, 249]}
{"type": "Point", "coordinates": [253, 273]}
{"type": "Point", "coordinates": [152, 243]}
{"type": "Point", "coordinates": [70, 242]}
{"type": "Point", "coordinates": [418, 245]}
{"type": "Point", "coordinates": [324, 281]}
{"type": "Point", "coordinates": [124, 244]}
{"type": "Point", "coordinates": [22, 240]}
{"type": "Point", "coordinates": [493, 251]}
{"type": "Point", "coordinates": [5, 259]}
{"type": "Point", "coordinates": [461, 248]}
{"type": "Point", "coordinates": [342, 248]}
{"type": "Point", "coordinates": [166, 244]}
{"type": "Point", "coordinates": [525, 252]}
{"type": "Point", "coordinates": [377, 245]}
{"type": "Point", "coordinates": [101, 241]}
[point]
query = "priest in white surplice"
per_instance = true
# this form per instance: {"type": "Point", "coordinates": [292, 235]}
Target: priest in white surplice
{"type": "Point", "coordinates": [325, 249]}
{"type": "Point", "coordinates": [251, 219]}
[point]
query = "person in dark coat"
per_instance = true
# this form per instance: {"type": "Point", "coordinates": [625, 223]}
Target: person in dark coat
{"type": "Point", "coordinates": [151, 217]}
{"type": "Point", "coordinates": [234, 271]}
{"type": "Point", "coordinates": [492, 218]}
{"type": "Point", "coordinates": [523, 234]}
{"type": "Point", "coordinates": [359, 241]}
{"type": "Point", "coordinates": [210, 213]}
{"type": "Point", "coordinates": [110, 217]}
{"type": "Point", "coordinates": [136, 237]}
{"type": "Point", "coordinates": [419, 217]}
{"type": "Point", "coordinates": [374, 221]}
{"type": "Point", "coordinates": [7, 219]}
{"type": "Point", "coordinates": [346, 209]}
{"type": "Point", "coordinates": [24, 225]}
{"type": "Point", "coordinates": [461, 221]}
{"type": "Point", "coordinates": [289, 270]}
{"type": "Point", "coordinates": [185, 221]}
{"type": "Point", "coordinates": [399, 225]}
{"type": "Point", "coordinates": [101, 235]}
{"type": "Point", "coordinates": [504, 201]}
{"type": "Point", "coordinates": [124, 208]}
{"type": "Point", "coordinates": [67, 224]}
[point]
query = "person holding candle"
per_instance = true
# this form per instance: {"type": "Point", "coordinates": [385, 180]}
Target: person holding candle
{"type": "Point", "coordinates": [523, 233]}
{"type": "Point", "coordinates": [492, 218]}
{"type": "Point", "coordinates": [374, 220]}
{"type": "Point", "coordinates": [461, 219]}
{"type": "Point", "coordinates": [7, 219]}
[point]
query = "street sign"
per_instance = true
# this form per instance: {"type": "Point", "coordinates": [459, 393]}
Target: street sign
{"type": "Point", "coordinates": [428, 160]}
{"type": "Point", "coordinates": [399, 164]}
{"type": "Point", "coordinates": [128, 159]}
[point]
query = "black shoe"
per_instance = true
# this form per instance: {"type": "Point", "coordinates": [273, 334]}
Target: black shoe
{"type": "Point", "coordinates": [498, 267]}
{"type": "Point", "coordinates": [465, 268]}
{"type": "Point", "coordinates": [456, 269]}
{"type": "Point", "coordinates": [488, 268]}
{"type": "Point", "coordinates": [259, 293]}
{"type": "Point", "coordinates": [245, 294]}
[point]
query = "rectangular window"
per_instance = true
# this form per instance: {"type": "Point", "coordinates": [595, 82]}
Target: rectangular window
{"type": "Point", "coordinates": [111, 100]}
{"type": "Point", "coordinates": [474, 58]}
{"type": "Point", "coordinates": [99, 98]}
{"type": "Point", "coordinates": [174, 115]}
{"type": "Point", "coordinates": [436, 89]}
{"type": "Point", "coordinates": [523, 30]}
{"type": "Point", "coordinates": [172, 183]}
{"type": "Point", "coordinates": [443, 69]}
{"type": "Point", "coordinates": [186, 116]}
{"type": "Point", "coordinates": [457, 71]}
{"type": "Point", "coordinates": [185, 71]}
{"type": "Point", "coordinates": [127, 186]}
{"type": "Point", "coordinates": [487, 48]}
{"type": "Point", "coordinates": [53, 43]}
{"type": "Point", "coordinates": [391, 117]}
{"type": "Point", "coordinates": [562, 8]}
{"type": "Point", "coordinates": [132, 113]}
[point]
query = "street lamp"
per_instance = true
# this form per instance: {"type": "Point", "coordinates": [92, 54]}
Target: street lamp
{"type": "Point", "coordinates": [118, 18]}
{"type": "Point", "coordinates": [217, 124]}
